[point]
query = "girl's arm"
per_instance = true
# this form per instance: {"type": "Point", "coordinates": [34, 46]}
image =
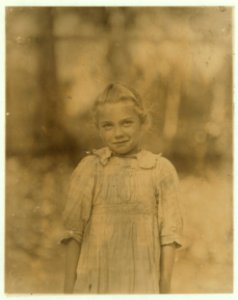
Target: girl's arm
{"type": "Point", "coordinates": [71, 262]}
{"type": "Point", "coordinates": [166, 267]}
{"type": "Point", "coordinates": [76, 215]}
{"type": "Point", "coordinates": [170, 221]}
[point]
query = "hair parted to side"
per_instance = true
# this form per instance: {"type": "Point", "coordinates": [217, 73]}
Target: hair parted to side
{"type": "Point", "coordinates": [117, 92]}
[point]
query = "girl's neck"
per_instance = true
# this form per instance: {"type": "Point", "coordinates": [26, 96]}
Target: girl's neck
{"type": "Point", "coordinates": [130, 153]}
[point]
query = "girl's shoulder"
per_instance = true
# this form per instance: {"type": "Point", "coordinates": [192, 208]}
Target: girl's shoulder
{"type": "Point", "coordinates": [150, 159]}
{"type": "Point", "coordinates": [87, 164]}
{"type": "Point", "coordinates": [91, 159]}
{"type": "Point", "coordinates": [162, 165]}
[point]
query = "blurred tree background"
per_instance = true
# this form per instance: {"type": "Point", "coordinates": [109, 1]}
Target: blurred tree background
{"type": "Point", "coordinates": [57, 60]}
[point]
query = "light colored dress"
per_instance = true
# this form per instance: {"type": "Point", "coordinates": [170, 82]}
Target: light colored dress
{"type": "Point", "coordinates": [121, 210]}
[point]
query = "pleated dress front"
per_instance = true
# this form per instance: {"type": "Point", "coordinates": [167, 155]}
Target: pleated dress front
{"type": "Point", "coordinates": [121, 210]}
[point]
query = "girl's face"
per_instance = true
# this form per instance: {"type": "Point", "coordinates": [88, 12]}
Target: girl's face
{"type": "Point", "coordinates": [120, 126]}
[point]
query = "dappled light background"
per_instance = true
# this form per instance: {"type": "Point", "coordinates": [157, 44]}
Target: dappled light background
{"type": "Point", "coordinates": [58, 60]}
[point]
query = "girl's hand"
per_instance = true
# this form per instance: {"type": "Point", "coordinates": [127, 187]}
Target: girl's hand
{"type": "Point", "coordinates": [166, 267]}
{"type": "Point", "coordinates": [69, 284]}
{"type": "Point", "coordinates": [71, 262]}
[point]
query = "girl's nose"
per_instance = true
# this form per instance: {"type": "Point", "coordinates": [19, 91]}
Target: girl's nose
{"type": "Point", "coordinates": [118, 132]}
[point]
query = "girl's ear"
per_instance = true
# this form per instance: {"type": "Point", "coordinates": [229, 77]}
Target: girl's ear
{"type": "Point", "coordinates": [146, 122]}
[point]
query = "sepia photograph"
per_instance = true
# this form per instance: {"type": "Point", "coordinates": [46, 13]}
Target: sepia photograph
{"type": "Point", "coordinates": [119, 150]}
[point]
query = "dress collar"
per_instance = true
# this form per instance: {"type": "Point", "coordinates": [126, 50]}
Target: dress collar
{"type": "Point", "coordinates": [146, 159]}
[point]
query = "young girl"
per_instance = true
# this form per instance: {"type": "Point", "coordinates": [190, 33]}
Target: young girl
{"type": "Point", "coordinates": [122, 217]}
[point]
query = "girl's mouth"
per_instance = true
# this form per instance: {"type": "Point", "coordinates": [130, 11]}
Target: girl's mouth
{"type": "Point", "coordinates": [120, 142]}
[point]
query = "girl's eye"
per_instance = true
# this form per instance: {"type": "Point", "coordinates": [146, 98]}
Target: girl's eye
{"type": "Point", "coordinates": [107, 126]}
{"type": "Point", "coordinates": [127, 123]}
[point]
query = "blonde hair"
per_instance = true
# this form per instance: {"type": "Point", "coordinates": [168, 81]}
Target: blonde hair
{"type": "Point", "coordinates": [117, 92]}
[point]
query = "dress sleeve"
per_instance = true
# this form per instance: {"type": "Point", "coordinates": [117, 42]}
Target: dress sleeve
{"type": "Point", "coordinates": [170, 220]}
{"type": "Point", "coordinates": [79, 200]}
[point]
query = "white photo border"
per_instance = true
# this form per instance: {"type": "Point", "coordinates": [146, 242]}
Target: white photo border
{"type": "Point", "coordinates": [146, 3]}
